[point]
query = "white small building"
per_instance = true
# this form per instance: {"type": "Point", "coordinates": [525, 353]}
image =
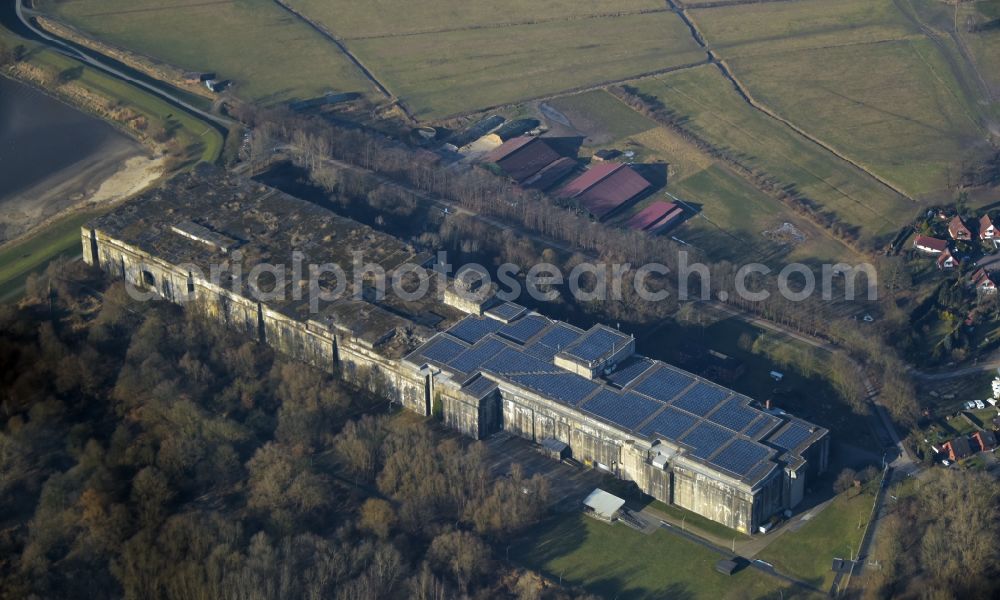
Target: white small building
{"type": "Point", "coordinates": [603, 505]}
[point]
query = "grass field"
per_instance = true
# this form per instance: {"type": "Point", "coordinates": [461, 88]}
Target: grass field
{"type": "Point", "coordinates": [462, 70]}
{"type": "Point", "coordinates": [604, 118]}
{"type": "Point", "coordinates": [904, 115]}
{"type": "Point", "coordinates": [350, 19]}
{"type": "Point", "coordinates": [835, 533]}
{"type": "Point", "coordinates": [716, 113]}
{"type": "Point", "coordinates": [269, 54]}
{"type": "Point", "coordinates": [18, 260]}
{"type": "Point", "coordinates": [615, 561]}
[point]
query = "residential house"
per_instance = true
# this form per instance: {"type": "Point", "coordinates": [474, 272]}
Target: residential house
{"type": "Point", "coordinates": [984, 281]}
{"type": "Point", "coordinates": [986, 229]}
{"type": "Point", "coordinates": [985, 439]}
{"type": "Point", "coordinates": [958, 230]}
{"type": "Point", "coordinates": [929, 244]}
{"type": "Point", "coordinates": [946, 260]}
{"type": "Point", "coordinates": [957, 449]}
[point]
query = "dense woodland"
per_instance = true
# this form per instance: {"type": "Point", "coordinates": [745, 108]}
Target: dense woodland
{"type": "Point", "coordinates": [148, 454]}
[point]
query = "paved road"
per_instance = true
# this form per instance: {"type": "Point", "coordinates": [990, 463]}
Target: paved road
{"type": "Point", "coordinates": [26, 16]}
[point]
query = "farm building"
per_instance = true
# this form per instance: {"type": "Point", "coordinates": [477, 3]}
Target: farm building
{"type": "Point", "coordinates": [481, 365]}
{"type": "Point", "coordinates": [929, 244]}
{"type": "Point", "coordinates": [656, 218]}
{"type": "Point", "coordinates": [605, 187]}
{"type": "Point", "coordinates": [551, 174]}
{"type": "Point", "coordinates": [522, 157]}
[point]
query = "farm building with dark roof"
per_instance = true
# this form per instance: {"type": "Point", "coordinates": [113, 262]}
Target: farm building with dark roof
{"type": "Point", "coordinates": [522, 157]}
{"type": "Point", "coordinates": [605, 188]}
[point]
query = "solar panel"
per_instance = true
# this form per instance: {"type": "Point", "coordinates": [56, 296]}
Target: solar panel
{"type": "Point", "coordinates": [563, 387]}
{"type": "Point", "coordinates": [761, 426]}
{"type": "Point", "coordinates": [701, 399]}
{"type": "Point", "coordinates": [553, 340]}
{"type": "Point", "coordinates": [596, 343]}
{"type": "Point", "coordinates": [705, 439]}
{"type": "Point", "coordinates": [664, 383]}
{"type": "Point", "coordinates": [479, 387]}
{"type": "Point", "coordinates": [629, 370]}
{"type": "Point", "coordinates": [734, 414]}
{"type": "Point", "coordinates": [473, 358]}
{"type": "Point", "coordinates": [627, 410]}
{"type": "Point", "coordinates": [508, 311]}
{"type": "Point", "coordinates": [511, 361]}
{"type": "Point", "coordinates": [740, 457]}
{"type": "Point", "coordinates": [792, 436]}
{"type": "Point", "coordinates": [473, 329]}
{"type": "Point", "coordinates": [442, 349]}
{"type": "Point", "coordinates": [670, 424]}
{"type": "Point", "coordinates": [524, 328]}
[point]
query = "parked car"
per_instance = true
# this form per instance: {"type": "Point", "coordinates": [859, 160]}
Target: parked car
{"type": "Point", "coordinates": [980, 404]}
{"type": "Point", "coordinates": [969, 405]}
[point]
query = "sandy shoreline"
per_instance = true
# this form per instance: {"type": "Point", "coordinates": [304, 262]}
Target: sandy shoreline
{"type": "Point", "coordinates": [101, 180]}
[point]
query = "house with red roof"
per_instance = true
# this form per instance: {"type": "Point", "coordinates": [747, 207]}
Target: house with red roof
{"type": "Point", "coordinates": [929, 244]}
{"type": "Point", "coordinates": [958, 230]}
{"type": "Point", "coordinates": [986, 229]}
{"type": "Point", "coordinates": [984, 281]}
{"type": "Point", "coordinates": [946, 260]}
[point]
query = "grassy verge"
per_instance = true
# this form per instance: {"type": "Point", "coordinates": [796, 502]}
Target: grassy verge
{"type": "Point", "coordinates": [33, 254]}
{"type": "Point", "coordinates": [697, 523]}
{"type": "Point", "coordinates": [617, 562]}
{"type": "Point", "coordinates": [808, 553]}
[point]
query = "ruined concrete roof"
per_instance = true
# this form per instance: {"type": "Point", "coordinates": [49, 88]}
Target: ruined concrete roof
{"type": "Point", "coordinates": [210, 219]}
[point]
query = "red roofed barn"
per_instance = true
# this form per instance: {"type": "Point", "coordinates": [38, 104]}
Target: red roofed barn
{"type": "Point", "coordinates": [522, 157]}
{"type": "Point", "coordinates": [928, 244]}
{"type": "Point", "coordinates": [605, 187]}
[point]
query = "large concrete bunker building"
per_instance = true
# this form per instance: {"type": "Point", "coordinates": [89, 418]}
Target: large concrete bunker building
{"type": "Point", "coordinates": [480, 366]}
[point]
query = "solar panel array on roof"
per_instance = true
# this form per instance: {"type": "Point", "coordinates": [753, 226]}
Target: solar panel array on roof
{"type": "Point", "coordinates": [705, 439]}
{"type": "Point", "coordinates": [473, 358]}
{"type": "Point", "coordinates": [740, 457]}
{"type": "Point", "coordinates": [670, 424]}
{"type": "Point", "coordinates": [479, 387]}
{"type": "Point", "coordinates": [508, 311]}
{"type": "Point", "coordinates": [793, 435]}
{"type": "Point", "coordinates": [597, 343]}
{"type": "Point", "coordinates": [664, 383]}
{"type": "Point", "coordinates": [563, 386]}
{"type": "Point", "coordinates": [441, 349]}
{"type": "Point", "coordinates": [473, 329]}
{"type": "Point", "coordinates": [510, 361]}
{"type": "Point", "coordinates": [701, 399]}
{"type": "Point", "coordinates": [627, 410]}
{"type": "Point", "coordinates": [734, 414]}
{"type": "Point", "coordinates": [524, 328]}
{"type": "Point", "coordinates": [762, 425]}
{"type": "Point", "coordinates": [629, 370]}
{"type": "Point", "coordinates": [555, 339]}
